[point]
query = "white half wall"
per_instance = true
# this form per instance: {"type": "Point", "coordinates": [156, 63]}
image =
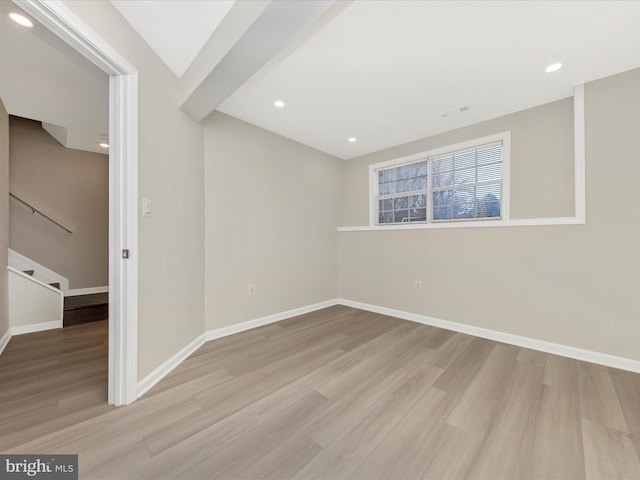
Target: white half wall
{"type": "Point", "coordinates": [33, 305]}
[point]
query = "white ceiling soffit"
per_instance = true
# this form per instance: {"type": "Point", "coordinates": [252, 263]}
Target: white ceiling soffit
{"type": "Point", "coordinates": [175, 29]}
{"type": "Point", "coordinates": [259, 31]}
{"type": "Point", "coordinates": [44, 79]}
{"type": "Point", "coordinates": [385, 71]}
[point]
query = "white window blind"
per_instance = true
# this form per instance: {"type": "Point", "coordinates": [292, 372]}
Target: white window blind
{"type": "Point", "coordinates": [456, 186]}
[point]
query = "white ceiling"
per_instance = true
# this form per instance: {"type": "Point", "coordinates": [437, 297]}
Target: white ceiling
{"type": "Point", "coordinates": [384, 71]}
{"type": "Point", "coordinates": [175, 29]}
{"type": "Point", "coordinates": [381, 71]}
{"type": "Point", "coordinates": [44, 79]}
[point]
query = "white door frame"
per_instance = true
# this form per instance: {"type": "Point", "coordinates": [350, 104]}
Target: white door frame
{"type": "Point", "coordinates": [123, 189]}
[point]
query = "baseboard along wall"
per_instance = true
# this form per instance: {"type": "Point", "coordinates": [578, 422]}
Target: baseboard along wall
{"type": "Point", "coordinates": [548, 347]}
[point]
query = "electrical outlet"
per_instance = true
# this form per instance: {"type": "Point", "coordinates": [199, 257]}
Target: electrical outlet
{"type": "Point", "coordinates": [417, 285]}
{"type": "Point", "coordinates": [252, 289]}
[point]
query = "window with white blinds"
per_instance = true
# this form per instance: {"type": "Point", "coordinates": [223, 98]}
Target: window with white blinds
{"type": "Point", "coordinates": [460, 185]}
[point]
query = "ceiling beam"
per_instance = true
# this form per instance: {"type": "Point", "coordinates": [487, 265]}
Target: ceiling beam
{"type": "Point", "coordinates": [251, 34]}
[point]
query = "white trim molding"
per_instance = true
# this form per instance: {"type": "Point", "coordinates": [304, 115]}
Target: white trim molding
{"type": "Point", "coordinates": [86, 291]}
{"type": "Point", "coordinates": [36, 327]}
{"type": "Point", "coordinates": [167, 367]}
{"type": "Point", "coordinates": [526, 342]}
{"type": "Point", "coordinates": [554, 348]}
{"type": "Point", "coordinates": [4, 341]}
{"type": "Point", "coordinates": [579, 152]}
{"type": "Point", "coordinates": [259, 322]}
{"type": "Point", "coordinates": [123, 189]}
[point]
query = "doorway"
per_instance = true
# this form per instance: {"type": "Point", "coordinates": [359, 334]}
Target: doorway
{"type": "Point", "coordinates": [123, 190]}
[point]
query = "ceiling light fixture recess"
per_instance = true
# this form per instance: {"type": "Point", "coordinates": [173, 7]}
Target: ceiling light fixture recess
{"type": "Point", "coordinates": [351, 139]}
{"type": "Point", "coordinates": [21, 20]}
{"type": "Point", "coordinates": [554, 67]}
{"type": "Point", "coordinates": [104, 142]}
{"type": "Point", "coordinates": [279, 103]}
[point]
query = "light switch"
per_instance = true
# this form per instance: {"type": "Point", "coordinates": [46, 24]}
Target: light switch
{"type": "Point", "coordinates": [146, 208]}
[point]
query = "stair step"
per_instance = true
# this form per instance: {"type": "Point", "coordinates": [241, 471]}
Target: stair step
{"type": "Point", "coordinates": [55, 285]}
{"type": "Point", "coordinates": [87, 314]}
{"type": "Point", "coordinates": [29, 272]}
{"type": "Point", "coordinates": [85, 308]}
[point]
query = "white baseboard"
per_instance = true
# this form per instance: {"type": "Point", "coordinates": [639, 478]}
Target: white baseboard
{"type": "Point", "coordinates": [36, 327]}
{"type": "Point", "coordinates": [5, 340]}
{"type": "Point", "coordinates": [167, 367]}
{"type": "Point", "coordinates": [554, 348]}
{"type": "Point", "coordinates": [86, 291]}
{"type": "Point", "coordinates": [526, 342]}
{"type": "Point", "coordinates": [163, 370]}
{"type": "Point", "coordinates": [259, 322]}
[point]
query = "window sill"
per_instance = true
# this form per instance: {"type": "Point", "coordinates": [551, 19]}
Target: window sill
{"type": "Point", "coordinates": [524, 222]}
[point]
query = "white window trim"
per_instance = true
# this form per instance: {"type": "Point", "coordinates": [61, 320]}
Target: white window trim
{"type": "Point", "coordinates": [579, 218]}
{"type": "Point", "coordinates": [504, 137]}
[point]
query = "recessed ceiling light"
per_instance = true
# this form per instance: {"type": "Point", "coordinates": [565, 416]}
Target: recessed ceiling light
{"type": "Point", "coordinates": [104, 144]}
{"type": "Point", "coordinates": [553, 67]}
{"type": "Point", "coordinates": [351, 139]}
{"type": "Point", "coordinates": [21, 20]}
{"type": "Point", "coordinates": [279, 103]}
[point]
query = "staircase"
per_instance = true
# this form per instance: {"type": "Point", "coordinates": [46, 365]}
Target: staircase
{"type": "Point", "coordinates": [53, 284]}
{"type": "Point", "coordinates": [77, 308]}
{"type": "Point", "coordinates": [85, 308]}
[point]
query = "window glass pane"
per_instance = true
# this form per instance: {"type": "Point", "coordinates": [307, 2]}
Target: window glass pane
{"type": "Point", "coordinates": [400, 216]}
{"type": "Point", "coordinates": [490, 154]}
{"type": "Point", "coordinates": [468, 175]}
{"type": "Point", "coordinates": [492, 171]}
{"type": "Point", "coordinates": [385, 217]}
{"type": "Point", "coordinates": [488, 208]}
{"type": "Point", "coordinates": [442, 164]}
{"type": "Point", "coordinates": [416, 201]}
{"type": "Point", "coordinates": [412, 170]}
{"type": "Point", "coordinates": [442, 213]}
{"type": "Point", "coordinates": [465, 160]}
{"type": "Point", "coordinates": [400, 202]}
{"type": "Point", "coordinates": [417, 215]}
{"type": "Point", "coordinates": [386, 204]}
{"type": "Point", "coordinates": [388, 175]}
{"type": "Point", "coordinates": [443, 180]}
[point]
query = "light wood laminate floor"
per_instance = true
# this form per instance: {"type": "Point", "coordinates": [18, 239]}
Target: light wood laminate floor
{"type": "Point", "coordinates": [335, 394]}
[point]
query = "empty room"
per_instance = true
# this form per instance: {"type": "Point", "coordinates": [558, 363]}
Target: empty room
{"type": "Point", "coordinates": [319, 239]}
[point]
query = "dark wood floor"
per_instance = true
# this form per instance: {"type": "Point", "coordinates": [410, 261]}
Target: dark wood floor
{"type": "Point", "coordinates": [334, 394]}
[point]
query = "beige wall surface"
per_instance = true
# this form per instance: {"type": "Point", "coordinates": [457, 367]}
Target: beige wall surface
{"type": "Point", "coordinates": [72, 186]}
{"type": "Point", "coordinates": [541, 162]}
{"type": "Point", "coordinates": [171, 304]}
{"type": "Point", "coordinates": [4, 218]}
{"type": "Point", "coordinates": [272, 207]}
{"type": "Point", "coordinates": [573, 285]}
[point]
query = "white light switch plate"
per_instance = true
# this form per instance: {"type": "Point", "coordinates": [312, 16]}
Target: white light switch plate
{"type": "Point", "coordinates": [146, 208]}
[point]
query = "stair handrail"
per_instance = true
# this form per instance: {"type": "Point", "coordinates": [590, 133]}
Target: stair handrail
{"type": "Point", "coordinates": [37, 210]}
{"type": "Point", "coordinates": [35, 280]}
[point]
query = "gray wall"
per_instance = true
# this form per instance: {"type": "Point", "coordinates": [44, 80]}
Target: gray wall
{"type": "Point", "coordinates": [170, 249]}
{"type": "Point", "coordinates": [73, 187]}
{"type": "Point", "coordinates": [272, 208]}
{"type": "Point", "coordinates": [4, 218]}
{"type": "Point", "coordinates": [574, 285]}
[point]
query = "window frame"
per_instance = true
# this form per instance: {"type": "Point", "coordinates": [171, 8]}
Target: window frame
{"type": "Point", "coordinates": [504, 137]}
